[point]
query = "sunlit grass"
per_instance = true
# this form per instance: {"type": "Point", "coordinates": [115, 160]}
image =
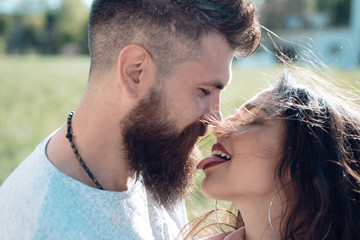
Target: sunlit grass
{"type": "Point", "coordinates": [36, 94]}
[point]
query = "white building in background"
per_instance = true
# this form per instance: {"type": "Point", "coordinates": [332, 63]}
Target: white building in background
{"type": "Point", "coordinates": [334, 46]}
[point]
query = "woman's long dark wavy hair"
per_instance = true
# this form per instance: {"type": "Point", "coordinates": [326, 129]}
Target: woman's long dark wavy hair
{"type": "Point", "coordinates": [321, 156]}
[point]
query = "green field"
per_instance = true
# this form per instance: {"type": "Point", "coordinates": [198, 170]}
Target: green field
{"type": "Point", "coordinates": [37, 93]}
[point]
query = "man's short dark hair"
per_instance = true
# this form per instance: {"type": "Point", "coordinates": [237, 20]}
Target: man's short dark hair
{"type": "Point", "coordinates": [168, 29]}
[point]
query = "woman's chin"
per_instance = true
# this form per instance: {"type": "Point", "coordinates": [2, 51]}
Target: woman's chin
{"type": "Point", "coordinates": [210, 192]}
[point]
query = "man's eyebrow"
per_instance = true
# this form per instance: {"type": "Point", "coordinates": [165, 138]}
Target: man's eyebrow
{"type": "Point", "coordinates": [217, 85]}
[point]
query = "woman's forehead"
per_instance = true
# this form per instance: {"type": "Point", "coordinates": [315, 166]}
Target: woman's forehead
{"type": "Point", "coordinates": [262, 97]}
{"type": "Point", "coordinates": [261, 101]}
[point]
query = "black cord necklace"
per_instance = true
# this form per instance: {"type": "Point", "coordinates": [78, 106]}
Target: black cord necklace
{"type": "Point", "coordinates": [69, 136]}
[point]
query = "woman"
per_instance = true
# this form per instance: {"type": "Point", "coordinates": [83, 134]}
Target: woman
{"type": "Point", "coordinates": [289, 161]}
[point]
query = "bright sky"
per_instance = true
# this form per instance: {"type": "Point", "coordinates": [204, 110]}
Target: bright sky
{"type": "Point", "coordinates": [7, 6]}
{"type": "Point", "coordinates": [87, 2]}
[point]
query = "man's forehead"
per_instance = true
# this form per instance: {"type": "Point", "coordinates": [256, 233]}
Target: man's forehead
{"type": "Point", "coordinates": [198, 73]}
{"type": "Point", "coordinates": [216, 55]}
{"type": "Point", "coordinates": [218, 76]}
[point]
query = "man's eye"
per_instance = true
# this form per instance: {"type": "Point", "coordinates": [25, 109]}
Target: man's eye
{"type": "Point", "coordinates": [206, 92]}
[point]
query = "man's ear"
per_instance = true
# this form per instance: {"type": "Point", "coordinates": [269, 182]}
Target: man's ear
{"type": "Point", "coordinates": [135, 69]}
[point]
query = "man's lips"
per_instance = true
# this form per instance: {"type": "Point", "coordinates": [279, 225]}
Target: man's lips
{"type": "Point", "coordinates": [219, 155]}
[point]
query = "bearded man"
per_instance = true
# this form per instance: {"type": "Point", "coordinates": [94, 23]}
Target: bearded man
{"type": "Point", "coordinates": [121, 165]}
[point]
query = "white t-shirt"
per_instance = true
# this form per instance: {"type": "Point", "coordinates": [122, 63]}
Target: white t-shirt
{"type": "Point", "coordinates": [38, 201]}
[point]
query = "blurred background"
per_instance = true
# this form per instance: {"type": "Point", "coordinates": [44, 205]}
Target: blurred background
{"type": "Point", "coordinates": [44, 64]}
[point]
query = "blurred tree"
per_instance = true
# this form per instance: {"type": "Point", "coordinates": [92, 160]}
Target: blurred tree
{"type": "Point", "coordinates": [24, 23]}
{"type": "Point", "coordinates": [47, 42]}
{"type": "Point", "coordinates": [25, 32]}
{"type": "Point", "coordinates": [278, 14]}
{"type": "Point", "coordinates": [337, 10]}
{"type": "Point", "coordinates": [2, 24]}
{"type": "Point", "coordinates": [5, 23]}
{"type": "Point", "coordinates": [42, 28]}
{"type": "Point", "coordinates": [71, 26]}
{"type": "Point", "coordinates": [24, 7]}
{"type": "Point", "coordinates": [295, 14]}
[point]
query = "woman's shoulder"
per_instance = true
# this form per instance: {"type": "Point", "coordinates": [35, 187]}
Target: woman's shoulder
{"type": "Point", "coordinates": [238, 234]}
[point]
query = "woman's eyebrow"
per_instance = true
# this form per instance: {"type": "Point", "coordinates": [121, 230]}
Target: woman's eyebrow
{"type": "Point", "coordinates": [249, 106]}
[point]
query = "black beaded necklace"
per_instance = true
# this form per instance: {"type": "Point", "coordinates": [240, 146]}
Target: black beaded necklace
{"type": "Point", "coordinates": [69, 136]}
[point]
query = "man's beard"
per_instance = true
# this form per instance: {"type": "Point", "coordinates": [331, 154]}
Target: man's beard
{"type": "Point", "coordinates": [155, 150]}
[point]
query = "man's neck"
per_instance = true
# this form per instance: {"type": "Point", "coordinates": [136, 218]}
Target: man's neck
{"type": "Point", "coordinates": [97, 138]}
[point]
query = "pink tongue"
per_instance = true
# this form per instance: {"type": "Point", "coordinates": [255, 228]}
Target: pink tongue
{"type": "Point", "coordinates": [212, 164]}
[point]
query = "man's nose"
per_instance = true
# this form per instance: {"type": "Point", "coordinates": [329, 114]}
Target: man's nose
{"type": "Point", "coordinates": [214, 112]}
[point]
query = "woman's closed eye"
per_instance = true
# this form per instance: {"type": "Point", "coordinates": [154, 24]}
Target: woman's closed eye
{"type": "Point", "coordinates": [248, 116]}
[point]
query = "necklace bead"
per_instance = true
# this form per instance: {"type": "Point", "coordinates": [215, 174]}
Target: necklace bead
{"type": "Point", "coordinates": [69, 137]}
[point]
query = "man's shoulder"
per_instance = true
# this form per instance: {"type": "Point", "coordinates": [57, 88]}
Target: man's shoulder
{"type": "Point", "coordinates": [39, 201]}
{"type": "Point", "coordinates": [21, 195]}
{"type": "Point", "coordinates": [30, 173]}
